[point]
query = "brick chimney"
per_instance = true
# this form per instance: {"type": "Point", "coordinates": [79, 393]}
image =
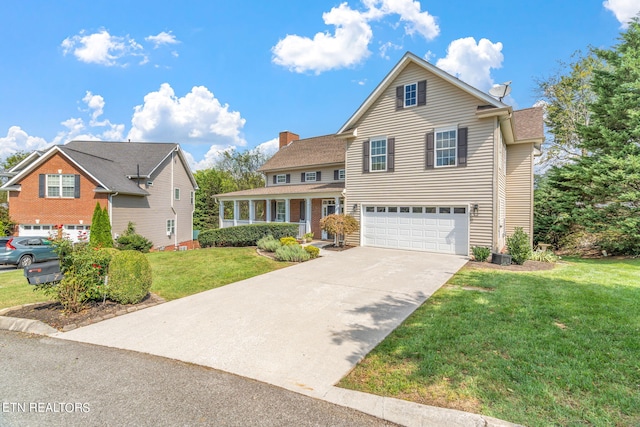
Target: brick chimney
{"type": "Point", "coordinates": [287, 137]}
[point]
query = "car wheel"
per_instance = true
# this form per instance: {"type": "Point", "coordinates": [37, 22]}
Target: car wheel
{"type": "Point", "coordinates": [25, 261]}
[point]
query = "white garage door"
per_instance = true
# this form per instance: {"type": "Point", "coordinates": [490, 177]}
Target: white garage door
{"type": "Point", "coordinates": [443, 229]}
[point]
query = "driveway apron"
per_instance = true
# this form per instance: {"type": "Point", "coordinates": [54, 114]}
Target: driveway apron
{"type": "Point", "coordinates": [302, 328]}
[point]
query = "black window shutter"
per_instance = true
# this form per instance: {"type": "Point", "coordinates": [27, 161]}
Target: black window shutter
{"type": "Point", "coordinates": [42, 184]}
{"type": "Point", "coordinates": [76, 190]}
{"type": "Point", "coordinates": [302, 210]}
{"type": "Point", "coordinates": [302, 177]}
{"type": "Point", "coordinates": [336, 174]}
{"type": "Point", "coordinates": [430, 150]}
{"type": "Point", "coordinates": [462, 147]}
{"type": "Point", "coordinates": [391, 154]}
{"type": "Point", "coordinates": [365, 156]}
{"type": "Point", "coordinates": [399, 97]}
{"type": "Point", "coordinates": [318, 176]}
{"type": "Point", "coordinates": [275, 177]}
{"type": "Point", "coordinates": [288, 178]}
{"type": "Point", "coordinates": [273, 210]}
{"type": "Point", "coordinates": [422, 92]}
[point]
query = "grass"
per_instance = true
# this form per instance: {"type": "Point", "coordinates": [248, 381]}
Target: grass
{"type": "Point", "coordinates": [175, 274]}
{"type": "Point", "coordinates": [559, 347]}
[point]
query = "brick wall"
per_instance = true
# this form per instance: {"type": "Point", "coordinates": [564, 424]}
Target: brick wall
{"type": "Point", "coordinates": [25, 207]}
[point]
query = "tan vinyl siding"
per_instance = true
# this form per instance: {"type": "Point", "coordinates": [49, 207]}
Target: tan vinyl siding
{"type": "Point", "coordinates": [411, 183]}
{"type": "Point", "coordinates": [520, 188]}
{"type": "Point", "coordinates": [150, 214]}
{"type": "Point", "coordinates": [326, 175]}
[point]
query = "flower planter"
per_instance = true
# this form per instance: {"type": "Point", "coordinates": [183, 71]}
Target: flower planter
{"type": "Point", "coordinates": [500, 259]}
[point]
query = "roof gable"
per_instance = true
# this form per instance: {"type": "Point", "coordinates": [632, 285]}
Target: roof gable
{"type": "Point", "coordinates": [317, 151]}
{"type": "Point", "coordinates": [410, 58]}
{"type": "Point", "coordinates": [529, 123]}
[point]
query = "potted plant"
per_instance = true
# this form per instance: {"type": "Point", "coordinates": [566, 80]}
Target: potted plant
{"type": "Point", "coordinates": [308, 237]}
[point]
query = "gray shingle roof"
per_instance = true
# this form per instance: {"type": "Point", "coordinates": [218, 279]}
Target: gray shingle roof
{"type": "Point", "coordinates": [112, 163]}
{"type": "Point", "coordinates": [529, 123]}
{"type": "Point", "coordinates": [320, 150]}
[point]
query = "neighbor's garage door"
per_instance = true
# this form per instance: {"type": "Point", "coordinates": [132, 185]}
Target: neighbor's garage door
{"type": "Point", "coordinates": [442, 229]}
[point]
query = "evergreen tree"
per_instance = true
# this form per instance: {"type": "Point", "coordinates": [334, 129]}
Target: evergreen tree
{"type": "Point", "coordinates": [107, 238]}
{"type": "Point", "coordinates": [95, 236]}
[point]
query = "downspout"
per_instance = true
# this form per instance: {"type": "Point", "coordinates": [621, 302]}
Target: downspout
{"type": "Point", "coordinates": [110, 202]}
{"type": "Point", "coordinates": [172, 195]}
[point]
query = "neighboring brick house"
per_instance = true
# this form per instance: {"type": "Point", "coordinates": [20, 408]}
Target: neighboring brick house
{"type": "Point", "coordinates": [429, 163]}
{"type": "Point", "coordinates": [149, 184]}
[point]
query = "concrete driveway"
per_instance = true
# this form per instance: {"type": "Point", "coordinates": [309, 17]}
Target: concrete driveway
{"type": "Point", "coordinates": [302, 328]}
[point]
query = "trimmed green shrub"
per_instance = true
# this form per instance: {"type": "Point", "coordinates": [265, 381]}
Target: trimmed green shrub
{"type": "Point", "coordinates": [245, 235]}
{"type": "Point", "coordinates": [269, 243]}
{"type": "Point", "coordinates": [519, 246]}
{"type": "Point", "coordinates": [292, 253]}
{"type": "Point", "coordinates": [543, 256]}
{"type": "Point", "coordinates": [312, 251]}
{"type": "Point", "coordinates": [129, 277]}
{"type": "Point", "coordinates": [130, 240]}
{"type": "Point", "coordinates": [288, 241]}
{"type": "Point", "coordinates": [480, 253]}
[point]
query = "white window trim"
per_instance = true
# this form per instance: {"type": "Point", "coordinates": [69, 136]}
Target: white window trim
{"type": "Point", "coordinates": [176, 193]}
{"type": "Point", "coordinates": [60, 186]}
{"type": "Point", "coordinates": [283, 213]}
{"type": "Point", "coordinates": [171, 226]}
{"type": "Point", "coordinates": [386, 153]}
{"type": "Point", "coordinates": [404, 95]}
{"type": "Point", "coordinates": [435, 147]}
{"type": "Point", "coordinates": [281, 178]}
{"type": "Point", "coordinates": [341, 174]}
{"type": "Point", "coordinates": [310, 176]}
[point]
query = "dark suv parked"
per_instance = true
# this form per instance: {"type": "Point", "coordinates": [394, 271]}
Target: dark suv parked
{"type": "Point", "coordinates": [23, 251]}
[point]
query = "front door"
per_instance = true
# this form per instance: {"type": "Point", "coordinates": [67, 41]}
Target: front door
{"type": "Point", "coordinates": [328, 208]}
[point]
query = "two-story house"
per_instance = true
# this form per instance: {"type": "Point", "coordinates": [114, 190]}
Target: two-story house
{"type": "Point", "coordinates": [430, 163]}
{"type": "Point", "coordinates": [149, 184]}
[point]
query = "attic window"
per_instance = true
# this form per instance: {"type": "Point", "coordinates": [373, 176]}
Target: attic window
{"type": "Point", "coordinates": [410, 95]}
{"type": "Point", "coordinates": [59, 185]}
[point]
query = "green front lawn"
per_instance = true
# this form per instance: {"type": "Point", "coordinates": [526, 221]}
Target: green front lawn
{"type": "Point", "coordinates": [559, 347]}
{"type": "Point", "coordinates": [175, 274]}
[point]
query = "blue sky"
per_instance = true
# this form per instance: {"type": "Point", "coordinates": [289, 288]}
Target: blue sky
{"type": "Point", "coordinates": [212, 75]}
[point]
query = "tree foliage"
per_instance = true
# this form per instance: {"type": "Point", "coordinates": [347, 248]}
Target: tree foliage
{"type": "Point", "coordinates": [600, 191]}
{"type": "Point", "coordinates": [100, 236]}
{"type": "Point", "coordinates": [339, 225]}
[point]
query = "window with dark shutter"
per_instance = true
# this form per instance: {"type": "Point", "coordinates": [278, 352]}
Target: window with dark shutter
{"type": "Point", "coordinates": [336, 174]}
{"type": "Point", "coordinates": [288, 178]}
{"type": "Point", "coordinates": [422, 92]}
{"type": "Point", "coordinates": [462, 146]}
{"type": "Point", "coordinates": [318, 176]}
{"type": "Point", "coordinates": [274, 178]}
{"type": "Point", "coordinates": [399, 97]}
{"type": "Point", "coordinates": [430, 151]}
{"type": "Point", "coordinates": [391, 154]}
{"type": "Point", "coordinates": [302, 210]}
{"type": "Point", "coordinates": [76, 191]}
{"type": "Point", "coordinates": [42, 185]}
{"type": "Point", "coordinates": [303, 176]}
{"type": "Point", "coordinates": [365, 156]}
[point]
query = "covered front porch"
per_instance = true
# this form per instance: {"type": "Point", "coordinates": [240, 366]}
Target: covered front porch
{"type": "Point", "coordinates": [301, 204]}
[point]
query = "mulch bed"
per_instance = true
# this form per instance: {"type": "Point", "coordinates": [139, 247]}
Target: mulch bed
{"type": "Point", "coordinates": [527, 266]}
{"type": "Point", "coordinates": [53, 314]}
{"type": "Point", "coordinates": [331, 247]}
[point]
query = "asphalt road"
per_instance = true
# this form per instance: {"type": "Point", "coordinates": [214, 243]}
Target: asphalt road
{"type": "Point", "coordinates": [50, 382]}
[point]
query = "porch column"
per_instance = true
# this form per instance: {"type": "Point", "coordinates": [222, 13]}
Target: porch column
{"type": "Point", "coordinates": [287, 210]}
{"type": "Point", "coordinates": [267, 209]}
{"type": "Point", "coordinates": [235, 212]}
{"type": "Point", "coordinates": [337, 204]}
{"type": "Point", "coordinates": [220, 213]}
{"type": "Point", "coordinates": [252, 211]}
{"type": "Point", "coordinates": [307, 215]}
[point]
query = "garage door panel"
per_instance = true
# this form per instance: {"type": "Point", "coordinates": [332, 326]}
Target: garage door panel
{"type": "Point", "coordinates": [434, 232]}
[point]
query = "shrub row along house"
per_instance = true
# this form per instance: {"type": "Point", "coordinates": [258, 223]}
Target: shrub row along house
{"type": "Point", "coordinates": [426, 163]}
{"type": "Point", "coordinates": [149, 184]}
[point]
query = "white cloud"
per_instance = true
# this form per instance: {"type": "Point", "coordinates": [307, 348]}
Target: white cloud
{"type": "Point", "coordinates": [624, 10]}
{"type": "Point", "coordinates": [471, 62]}
{"type": "Point", "coordinates": [349, 45]}
{"type": "Point", "coordinates": [162, 38]}
{"type": "Point", "coordinates": [198, 117]}
{"type": "Point", "coordinates": [386, 46]}
{"type": "Point", "coordinates": [95, 104]}
{"type": "Point", "coordinates": [18, 140]}
{"type": "Point", "coordinates": [101, 47]}
{"type": "Point", "coordinates": [269, 147]}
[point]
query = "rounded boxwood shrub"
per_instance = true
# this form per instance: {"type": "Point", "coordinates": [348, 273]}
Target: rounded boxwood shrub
{"type": "Point", "coordinates": [312, 251]}
{"type": "Point", "coordinates": [129, 277]}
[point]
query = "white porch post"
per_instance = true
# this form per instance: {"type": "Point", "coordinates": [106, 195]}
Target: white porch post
{"type": "Point", "coordinates": [287, 210]}
{"type": "Point", "coordinates": [235, 212]}
{"type": "Point", "coordinates": [337, 205]}
{"type": "Point", "coordinates": [307, 215]}
{"type": "Point", "coordinates": [268, 209]}
{"type": "Point", "coordinates": [220, 213]}
{"type": "Point", "coordinates": [252, 211]}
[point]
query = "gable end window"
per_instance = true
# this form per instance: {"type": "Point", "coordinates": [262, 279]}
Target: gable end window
{"type": "Point", "coordinates": [59, 185]}
{"type": "Point", "coordinates": [176, 193]}
{"type": "Point", "coordinates": [446, 147]}
{"type": "Point", "coordinates": [378, 155]}
{"type": "Point", "coordinates": [411, 95]}
{"type": "Point", "coordinates": [310, 176]}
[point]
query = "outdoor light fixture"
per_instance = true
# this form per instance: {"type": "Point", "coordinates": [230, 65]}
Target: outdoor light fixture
{"type": "Point", "coordinates": [355, 206]}
{"type": "Point", "coordinates": [475, 209]}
